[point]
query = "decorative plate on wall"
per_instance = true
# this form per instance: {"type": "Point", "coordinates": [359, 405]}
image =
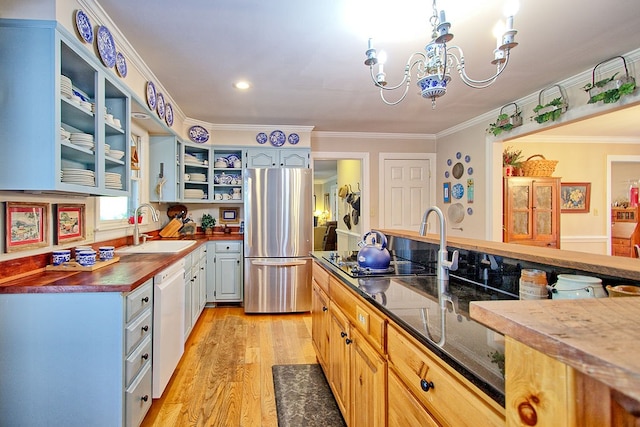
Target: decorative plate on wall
{"type": "Point", "coordinates": [121, 65]}
{"type": "Point", "coordinates": [160, 108]}
{"type": "Point", "coordinates": [106, 46]}
{"type": "Point", "coordinates": [262, 138]}
{"type": "Point", "coordinates": [198, 134]}
{"type": "Point", "coordinates": [293, 138]}
{"type": "Point", "coordinates": [168, 115]}
{"type": "Point", "coordinates": [457, 191]}
{"type": "Point", "coordinates": [83, 25]}
{"type": "Point", "coordinates": [277, 138]}
{"type": "Point", "coordinates": [151, 95]}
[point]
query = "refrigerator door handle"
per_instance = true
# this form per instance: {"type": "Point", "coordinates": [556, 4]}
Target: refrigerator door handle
{"type": "Point", "coordinates": [279, 263]}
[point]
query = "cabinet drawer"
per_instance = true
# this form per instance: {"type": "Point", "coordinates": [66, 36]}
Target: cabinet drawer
{"type": "Point", "coordinates": [139, 300]}
{"type": "Point", "coordinates": [451, 399]}
{"type": "Point", "coordinates": [321, 276]}
{"type": "Point", "coordinates": [202, 251]}
{"type": "Point", "coordinates": [619, 241]}
{"type": "Point", "coordinates": [228, 247]}
{"type": "Point", "coordinates": [138, 398]}
{"type": "Point", "coordinates": [404, 409]}
{"type": "Point", "coordinates": [137, 360]}
{"type": "Point", "coordinates": [138, 330]}
{"type": "Point", "coordinates": [362, 315]}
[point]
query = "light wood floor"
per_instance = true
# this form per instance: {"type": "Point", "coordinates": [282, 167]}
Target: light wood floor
{"type": "Point", "coordinates": [224, 377]}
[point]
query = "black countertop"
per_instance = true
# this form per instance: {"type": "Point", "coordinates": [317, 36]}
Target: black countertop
{"type": "Point", "coordinates": [412, 302]}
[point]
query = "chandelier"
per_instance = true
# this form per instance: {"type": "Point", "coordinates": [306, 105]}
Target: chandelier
{"type": "Point", "coordinates": [432, 67]}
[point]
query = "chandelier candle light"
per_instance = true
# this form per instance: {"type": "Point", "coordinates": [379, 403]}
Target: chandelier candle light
{"type": "Point", "coordinates": [432, 66]}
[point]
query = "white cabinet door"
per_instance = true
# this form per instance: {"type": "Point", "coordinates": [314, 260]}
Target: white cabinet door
{"type": "Point", "coordinates": [277, 158]}
{"type": "Point", "coordinates": [228, 277]}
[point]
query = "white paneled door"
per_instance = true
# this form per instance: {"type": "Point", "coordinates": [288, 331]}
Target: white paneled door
{"type": "Point", "coordinates": [407, 192]}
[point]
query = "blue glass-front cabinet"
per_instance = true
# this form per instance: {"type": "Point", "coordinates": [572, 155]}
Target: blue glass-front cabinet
{"type": "Point", "coordinates": [55, 95]}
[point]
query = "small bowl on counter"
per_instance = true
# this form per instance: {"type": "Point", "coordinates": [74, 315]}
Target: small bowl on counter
{"type": "Point", "coordinates": [623, 291]}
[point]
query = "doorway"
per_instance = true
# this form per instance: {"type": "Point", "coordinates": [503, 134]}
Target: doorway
{"type": "Point", "coordinates": [350, 169]}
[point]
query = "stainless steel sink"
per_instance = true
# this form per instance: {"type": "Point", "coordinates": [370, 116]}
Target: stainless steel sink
{"type": "Point", "coordinates": [159, 246]}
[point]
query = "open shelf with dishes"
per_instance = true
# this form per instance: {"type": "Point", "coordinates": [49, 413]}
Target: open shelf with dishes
{"type": "Point", "coordinates": [57, 115]}
{"type": "Point", "coordinates": [227, 175]}
{"type": "Point", "coordinates": [195, 173]}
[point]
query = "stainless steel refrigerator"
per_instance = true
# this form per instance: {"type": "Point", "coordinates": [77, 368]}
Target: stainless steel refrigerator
{"type": "Point", "coordinates": [278, 218]}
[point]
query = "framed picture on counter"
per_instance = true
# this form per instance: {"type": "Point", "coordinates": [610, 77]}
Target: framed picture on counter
{"type": "Point", "coordinates": [70, 223]}
{"type": "Point", "coordinates": [27, 226]}
{"type": "Point", "coordinates": [229, 216]}
{"type": "Point", "coordinates": [575, 197]}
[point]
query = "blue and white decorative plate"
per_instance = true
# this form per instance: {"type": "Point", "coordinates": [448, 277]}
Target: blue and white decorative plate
{"type": "Point", "coordinates": [198, 134]}
{"type": "Point", "coordinates": [449, 162]}
{"type": "Point", "coordinates": [467, 158]}
{"type": "Point", "coordinates": [106, 46]}
{"type": "Point", "coordinates": [160, 108]}
{"type": "Point", "coordinates": [470, 211]}
{"type": "Point", "coordinates": [121, 65]}
{"type": "Point", "coordinates": [293, 138]}
{"type": "Point", "coordinates": [151, 95]}
{"type": "Point", "coordinates": [83, 25]}
{"type": "Point", "coordinates": [458, 155]}
{"type": "Point", "coordinates": [470, 171]}
{"type": "Point", "coordinates": [446, 174]}
{"type": "Point", "coordinates": [168, 115]}
{"type": "Point", "coordinates": [277, 138]}
{"type": "Point", "coordinates": [457, 191]}
{"type": "Point", "coordinates": [262, 138]}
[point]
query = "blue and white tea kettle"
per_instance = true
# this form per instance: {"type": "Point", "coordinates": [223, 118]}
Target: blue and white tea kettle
{"type": "Point", "coordinates": [373, 254]}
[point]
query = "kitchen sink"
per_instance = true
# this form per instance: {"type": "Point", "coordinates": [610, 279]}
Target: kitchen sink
{"type": "Point", "coordinates": [159, 246]}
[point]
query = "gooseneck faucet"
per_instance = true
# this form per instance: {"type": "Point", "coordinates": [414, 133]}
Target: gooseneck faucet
{"type": "Point", "coordinates": [444, 265]}
{"type": "Point", "coordinates": [136, 231]}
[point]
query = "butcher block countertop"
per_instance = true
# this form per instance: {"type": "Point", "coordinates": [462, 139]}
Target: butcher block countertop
{"type": "Point", "coordinates": [131, 271]}
{"type": "Point", "coordinates": [599, 337]}
{"type": "Point", "coordinates": [615, 266]}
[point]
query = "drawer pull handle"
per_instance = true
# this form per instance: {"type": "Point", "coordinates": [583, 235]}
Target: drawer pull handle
{"type": "Point", "coordinates": [348, 341]}
{"type": "Point", "coordinates": [324, 308]}
{"type": "Point", "coordinates": [426, 385]}
{"type": "Point", "coordinates": [145, 299]}
{"type": "Point", "coordinates": [343, 334]}
{"type": "Point", "coordinates": [145, 397]}
{"type": "Point", "coordinates": [145, 328]}
{"type": "Point", "coordinates": [145, 356]}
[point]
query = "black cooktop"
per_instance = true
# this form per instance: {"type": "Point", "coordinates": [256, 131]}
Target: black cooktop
{"type": "Point", "coordinates": [348, 263]}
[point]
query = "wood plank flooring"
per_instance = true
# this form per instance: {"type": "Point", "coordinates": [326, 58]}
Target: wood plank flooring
{"type": "Point", "coordinates": [224, 377]}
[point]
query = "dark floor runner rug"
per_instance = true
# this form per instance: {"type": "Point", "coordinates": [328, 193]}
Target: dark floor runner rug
{"type": "Point", "coordinates": [303, 397]}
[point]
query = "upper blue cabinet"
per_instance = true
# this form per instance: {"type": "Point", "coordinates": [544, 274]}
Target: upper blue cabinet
{"type": "Point", "coordinates": [64, 117]}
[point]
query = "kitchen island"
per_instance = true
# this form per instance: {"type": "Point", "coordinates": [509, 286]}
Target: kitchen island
{"type": "Point", "coordinates": [569, 362]}
{"type": "Point", "coordinates": [554, 376]}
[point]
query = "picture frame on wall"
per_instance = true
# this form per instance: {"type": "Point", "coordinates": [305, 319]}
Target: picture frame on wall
{"type": "Point", "coordinates": [575, 197]}
{"type": "Point", "coordinates": [27, 226]}
{"type": "Point", "coordinates": [229, 216]}
{"type": "Point", "coordinates": [69, 223]}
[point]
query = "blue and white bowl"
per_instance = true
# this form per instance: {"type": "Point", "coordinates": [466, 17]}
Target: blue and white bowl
{"type": "Point", "coordinates": [432, 86]}
{"type": "Point", "coordinates": [61, 256]}
{"type": "Point", "coordinates": [106, 252]}
{"type": "Point", "coordinates": [86, 258]}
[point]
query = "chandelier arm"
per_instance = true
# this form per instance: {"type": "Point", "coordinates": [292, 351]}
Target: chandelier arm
{"type": "Point", "coordinates": [411, 64]}
{"type": "Point", "coordinates": [475, 84]}
{"type": "Point", "coordinates": [404, 94]}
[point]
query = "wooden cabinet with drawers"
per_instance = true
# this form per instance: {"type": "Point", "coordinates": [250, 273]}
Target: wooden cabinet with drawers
{"type": "Point", "coordinates": [625, 232]}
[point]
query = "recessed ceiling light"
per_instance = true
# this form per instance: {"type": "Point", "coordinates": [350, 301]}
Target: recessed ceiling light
{"type": "Point", "coordinates": [141, 116]}
{"type": "Point", "coordinates": [242, 85]}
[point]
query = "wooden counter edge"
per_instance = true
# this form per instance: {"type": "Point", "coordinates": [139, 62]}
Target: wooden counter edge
{"type": "Point", "coordinates": [506, 317]}
{"type": "Point", "coordinates": [615, 266]}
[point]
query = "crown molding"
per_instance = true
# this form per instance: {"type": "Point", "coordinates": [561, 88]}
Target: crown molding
{"type": "Point", "coordinates": [373, 135]}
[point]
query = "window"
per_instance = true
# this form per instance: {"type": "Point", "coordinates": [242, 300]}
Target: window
{"type": "Point", "coordinates": [115, 211]}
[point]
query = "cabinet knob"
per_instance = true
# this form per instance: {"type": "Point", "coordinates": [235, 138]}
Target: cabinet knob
{"type": "Point", "coordinates": [343, 334]}
{"type": "Point", "coordinates": [348, 341]}
{"type": "Point", "coordinates": [145, 299]}
{"type": "Point", "coordinates": [324, 308]}
{"type": "Point", "coordinates": [238, 262]}
{"type": "Point", "coordinates": [426, 385]}
{"type": "Point", "coordinates": [145, 328]}
{"type": "Point", "coordinates": [145, 356]}
{"type": "Point", "coordinates": [145, 397]}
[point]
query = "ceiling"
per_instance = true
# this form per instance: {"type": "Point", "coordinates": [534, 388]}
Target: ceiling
{"type": "Point", "coordinates": [306, 66]}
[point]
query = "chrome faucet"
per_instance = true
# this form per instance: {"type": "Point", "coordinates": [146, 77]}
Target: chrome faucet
{"type": "Point", "coordinates": [444, 265]}
{"type": "Point", "coordinates": [136, 231]}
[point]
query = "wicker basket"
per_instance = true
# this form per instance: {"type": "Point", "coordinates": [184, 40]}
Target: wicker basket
{"type": "Point", "coordinates": [542, 167]}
